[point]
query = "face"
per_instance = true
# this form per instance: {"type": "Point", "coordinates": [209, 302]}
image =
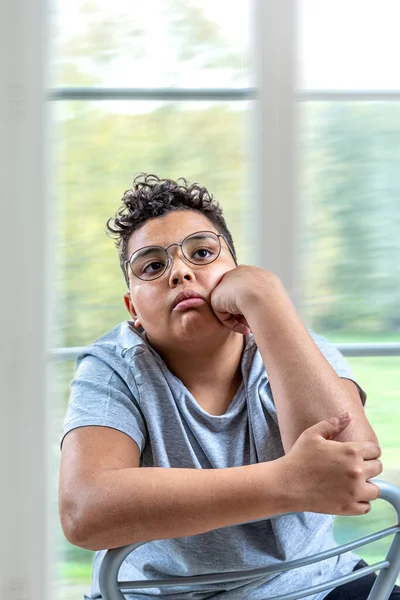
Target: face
{"type": "Point", "coordinates": [151, 302]}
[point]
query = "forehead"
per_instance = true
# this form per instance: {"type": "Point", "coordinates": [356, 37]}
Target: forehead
{"type": "Point", "coordinates": [169, 229]}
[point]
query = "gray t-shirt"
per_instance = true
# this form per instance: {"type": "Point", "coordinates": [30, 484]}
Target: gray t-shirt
{"type": "Point", "coordinates": [123, 383]}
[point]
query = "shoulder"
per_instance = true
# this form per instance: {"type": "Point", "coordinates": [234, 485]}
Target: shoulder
{"type": "Point", "coordinates": [113, 356]}
{"type": "Point", "coordinates": [116, 346]}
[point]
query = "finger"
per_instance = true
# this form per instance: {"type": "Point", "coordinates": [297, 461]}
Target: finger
{"type": "Point", "coordinates": [236, 322]}
{"type": "Point", "coordinates": [239, 328]}
{"type": "Point", "coordinates": [363, 508]}
{"type": "Point", "coordinates": [372, 468]}
{"type": "Point", "coordinates": [242, 319]}
{"type": "Point", "coordinates": [372, 491]}
{"type": "Point", "coordinates": [234, 325]}
{"type": "Point", "coordinates": [368, 450]}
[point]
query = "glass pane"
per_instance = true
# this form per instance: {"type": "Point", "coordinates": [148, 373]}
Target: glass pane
{"type": "Point", "coordinates": [72, 566]}
{"type": "Point", "coordinates": [348, 529]}
{"type": "Point", "coordinates": [350, 243]}
{"type": "Point", "coordinates": [99, 146]}
{"type": "Point", "coordinates": [157, 43]}
{"type": "Point", "coordinates": [349, 45]}
{"type": "Point", "coordinates": [380, 378]}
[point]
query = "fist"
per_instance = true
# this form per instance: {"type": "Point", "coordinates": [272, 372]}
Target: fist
{"type": "Point", "coordinates": [233, 293]}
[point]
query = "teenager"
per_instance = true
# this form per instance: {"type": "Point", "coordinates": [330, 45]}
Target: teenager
{"type": "Point", "coordinates": [211, 407]}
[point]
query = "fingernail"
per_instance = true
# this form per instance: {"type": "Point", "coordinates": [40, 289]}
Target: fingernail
{"type": "Point", "coordinates": [344, 415]}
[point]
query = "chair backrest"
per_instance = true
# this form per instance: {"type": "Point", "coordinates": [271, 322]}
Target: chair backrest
{"type": "Point", "coordinates": [111, 588]}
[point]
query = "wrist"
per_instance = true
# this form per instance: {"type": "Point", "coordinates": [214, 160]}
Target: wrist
{"type": "Point", "coordinates": [264, 285]}
{"type": "Point", "coordinates": [290, 485]}
{"type": "Point", "coordinates": [267, 307]}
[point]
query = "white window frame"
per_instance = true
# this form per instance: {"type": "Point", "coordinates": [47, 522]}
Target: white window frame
{"type": "Point", "coordinates": [25, 308]}
{"type": "Point", "coordinates": [27, 244]}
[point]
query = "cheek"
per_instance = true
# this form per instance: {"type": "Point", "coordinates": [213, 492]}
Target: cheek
{"type": "Point", "coordinates": [216, 275]}
{"type": "Point", "coordinates": [148, 303]}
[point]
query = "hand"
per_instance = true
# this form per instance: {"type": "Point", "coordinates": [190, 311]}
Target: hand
{"type": "Point", "coordinates": [233, 292]}
{"type": "Point", "coordinates": [325, 476]}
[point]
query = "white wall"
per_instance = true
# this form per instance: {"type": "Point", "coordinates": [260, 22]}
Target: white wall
{"type": "Point", "coordinates": [24, 309]}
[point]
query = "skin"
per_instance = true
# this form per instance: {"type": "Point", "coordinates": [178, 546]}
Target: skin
{"type": "Point", "coordinates": [196, 346]}
{"type": "Point", "coordinates": [203, 345]}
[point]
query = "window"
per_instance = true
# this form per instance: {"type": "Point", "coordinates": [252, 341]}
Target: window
{"type": "Point", "coordinates": [349, 146]}
{"type": "Point", "coordinates": [178, 98]}
{"type": "Point", "coordinates": [173, 98]}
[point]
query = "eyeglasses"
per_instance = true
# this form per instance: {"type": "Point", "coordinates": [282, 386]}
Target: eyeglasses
{"type": "Point", "coordinates": [200, 248]}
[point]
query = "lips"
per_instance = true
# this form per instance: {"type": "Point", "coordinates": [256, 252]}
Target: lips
{"type": "Point", "coordinates": [182, 296]}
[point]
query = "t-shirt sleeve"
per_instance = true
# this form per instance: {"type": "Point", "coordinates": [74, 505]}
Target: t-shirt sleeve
{"type": "Point", "coordinates": [337, 361]}
{"type": "Point", "coordinates": [99, 396]}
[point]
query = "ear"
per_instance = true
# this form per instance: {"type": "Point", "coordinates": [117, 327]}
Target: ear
{"type": "Point", "coordinates": [131, 309]}
{"type": "Point", "coordinates": [129, 306]}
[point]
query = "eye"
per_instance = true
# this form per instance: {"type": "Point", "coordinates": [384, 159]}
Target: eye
{"type": "Point", "coordinates": [202, 253]}
{"type": "Point", "coordinates": [153, 267]}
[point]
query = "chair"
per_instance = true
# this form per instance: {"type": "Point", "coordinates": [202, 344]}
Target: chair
{"type": "Point", "coordinates": [389, 568]}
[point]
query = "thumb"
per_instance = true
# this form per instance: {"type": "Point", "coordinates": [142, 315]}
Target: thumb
{"type": "Point", "coordinates": [329, 428]}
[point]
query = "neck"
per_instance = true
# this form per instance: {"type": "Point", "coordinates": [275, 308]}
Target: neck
{"type": "Point", "coordinates": [215, 365]}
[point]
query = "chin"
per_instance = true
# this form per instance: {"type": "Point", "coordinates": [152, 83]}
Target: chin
{"type": "Point", "coordinates": [201, 328]}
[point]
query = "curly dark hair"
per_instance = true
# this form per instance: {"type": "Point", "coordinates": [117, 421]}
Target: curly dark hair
{"type": "Point", "coordinates": [152, 197]}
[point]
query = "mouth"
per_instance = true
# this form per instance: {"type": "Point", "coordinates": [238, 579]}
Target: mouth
{"type": "Point", "coordinates": [187, 300]}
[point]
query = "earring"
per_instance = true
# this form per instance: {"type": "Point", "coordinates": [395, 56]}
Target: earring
{"type": "Point", "coordinates": [137, 323]}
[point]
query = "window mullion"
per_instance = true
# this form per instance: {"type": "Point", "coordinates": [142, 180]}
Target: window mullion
{"type": "Point", "coordinates": [274, 220]}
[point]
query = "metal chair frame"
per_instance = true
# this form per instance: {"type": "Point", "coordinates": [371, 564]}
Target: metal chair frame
{"type": "Point", "coordinates": [110, 587]}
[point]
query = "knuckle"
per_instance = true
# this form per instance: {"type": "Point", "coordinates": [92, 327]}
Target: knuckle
{"type": "Point", "coordinates": [351, 452]}
{"type": "Point", "coordinates": [355, 472]}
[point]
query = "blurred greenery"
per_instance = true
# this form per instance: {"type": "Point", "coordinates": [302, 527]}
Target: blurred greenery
{"type": "Point", "coordinates": [350, 247]}
{"type": "Point", "coordinates": [349, 274]}
{"type": "Point", "coordinates": [98, 155]}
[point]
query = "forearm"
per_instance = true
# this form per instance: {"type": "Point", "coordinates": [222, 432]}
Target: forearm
{"type": "Point", "coordinates": [142, 504]}
{"type": "Point", "coordinates": [305, 387]}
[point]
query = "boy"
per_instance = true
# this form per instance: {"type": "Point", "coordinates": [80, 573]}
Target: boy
{"type": "Point", "coordinates": [213, 406]}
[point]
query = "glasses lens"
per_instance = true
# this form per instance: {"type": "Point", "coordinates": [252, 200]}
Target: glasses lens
{"type": "Point", "coordinates": [201, 248]}
{"type": "Point", "coordinates": [149, 263]}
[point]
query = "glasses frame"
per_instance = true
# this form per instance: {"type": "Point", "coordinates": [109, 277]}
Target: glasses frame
{"type": "Point", "coordinates": [169, 259]}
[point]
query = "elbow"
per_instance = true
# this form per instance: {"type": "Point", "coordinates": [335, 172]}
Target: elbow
{"type": "Point", "coordinates": [74, 525]}
{"type": "Point", "coordinates": [356, 432]}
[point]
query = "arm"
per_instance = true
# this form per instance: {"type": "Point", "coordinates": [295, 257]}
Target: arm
{"type": "Point", "coordinates": [305, 387]}
{"type": "Point", "coordinates": [107, 501]}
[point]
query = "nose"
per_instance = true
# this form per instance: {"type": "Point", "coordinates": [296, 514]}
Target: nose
{"type": "Point", "coordinates": [180, 269]}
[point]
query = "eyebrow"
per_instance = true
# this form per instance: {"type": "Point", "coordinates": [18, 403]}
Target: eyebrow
{"type": "Point", "coordinates": [200, 237]}
{"type": "Point", "coordinates": [150, 249]}
{"type": "Point", "coordinates": [146, 250]}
